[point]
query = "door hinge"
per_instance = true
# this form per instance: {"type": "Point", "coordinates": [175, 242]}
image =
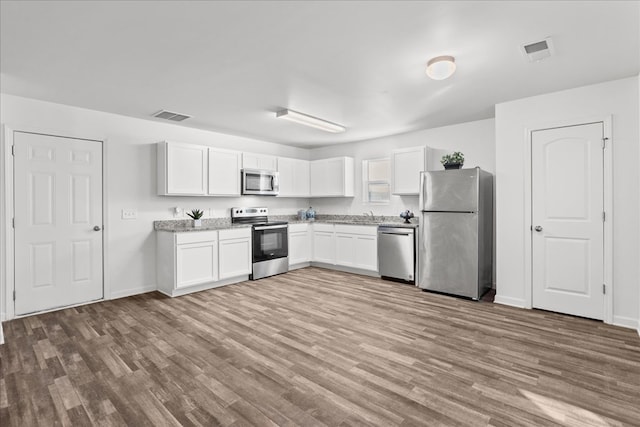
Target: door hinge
{"type": "Point", "coordinates": [13, 222]}
{"type": "Point", "coordinates": [14, 294]}
{"type": "Point", "coordinates": [604, 216]}
{"type": "Point", "coordinates": [13, 150]}
{"type": "Point", "coordinates": [604, 288]}
{"type": "Point", "coordinates": [604, 142]}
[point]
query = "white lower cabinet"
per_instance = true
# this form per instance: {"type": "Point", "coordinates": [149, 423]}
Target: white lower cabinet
{"type": "Point", "coordinates": [193, 261]}
{"type": "Point", "coordinates": [299, 244]}
{"type": "Point", "coordinates": [357, 246]}
{"type": "Point", "coordinates": [196, 263]}
{"type": "Point", "coordinates": [324, 243]}
{"type": "Point", "coordinates": [235, 252]}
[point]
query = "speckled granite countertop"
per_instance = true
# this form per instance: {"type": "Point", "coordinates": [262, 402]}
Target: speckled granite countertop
{"type": "Point", "coordinates": [186, 225]}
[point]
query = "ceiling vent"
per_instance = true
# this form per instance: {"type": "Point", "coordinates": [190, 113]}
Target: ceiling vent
{"type": "Point", "coordinates": [538, 51]}
{"type": "Point", "coordinates": [168, 115]}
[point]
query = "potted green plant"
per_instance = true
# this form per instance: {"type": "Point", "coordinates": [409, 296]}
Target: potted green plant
{"type": "Point", "coordinates": [196, 214]}
{"type": "Point", "coordinates": [453, 161]}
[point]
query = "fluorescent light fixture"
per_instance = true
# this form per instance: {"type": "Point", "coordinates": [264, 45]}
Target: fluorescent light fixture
{"type": "Point", "coordinates": [441, 67]}
{"type": "Point", "coordinates": [307, 120]}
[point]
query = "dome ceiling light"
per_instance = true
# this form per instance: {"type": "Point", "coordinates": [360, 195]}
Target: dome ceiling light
{"type": "Point", "coordinates": [441, 67]}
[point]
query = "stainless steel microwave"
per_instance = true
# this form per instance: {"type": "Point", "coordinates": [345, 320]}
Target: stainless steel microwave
{"type": "Point", "coordinates": [260, 182]}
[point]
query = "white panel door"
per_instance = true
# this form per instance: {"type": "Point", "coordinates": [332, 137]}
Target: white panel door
{"type": "Point", "coordinates": [287, 177]}
{"type": "Point", "coordinates": [235, 257]}
{"type": "Point", "coordinates": [259, 161]}
{"type": "Point", "coordinates": [346, 250]}
{"type": "Point", "coordinates": [224, 172]}
{"type": "Point", "coordinates": [299, 247]}
{"type": "Point", "coordinates": [58, 203]}
{"type": "Point", "coordinates": [367, 252]}
{"type": "Point", "coordinates": [324, 247]}
{"type": "Point", "coordinates": [186, 169]}
{"type": "Point", "coordinates": [568, 231]}
{"type": "Point", "coordinates": [327, 177]}
{"type": "Point", "coordinates": [407, 165]}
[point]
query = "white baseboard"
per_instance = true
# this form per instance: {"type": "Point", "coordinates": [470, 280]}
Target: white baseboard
{"type": "Point", "coordinates": [626, 322]}
{"type": "Point", "coordinates": [133, 291]}
{"type": "Point", "coordinates": [1, 335]}
{"type": "Point", "coordinates": [345, 269]}
{"type": "Point", "coordinates": [513, 302]}
{"type": "Point", "coordinates": [298, 266]}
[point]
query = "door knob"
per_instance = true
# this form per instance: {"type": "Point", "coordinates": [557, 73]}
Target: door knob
{"type": "Point", "coordinates": [538, 228]}
{"type": "Point", "coordinates": [97, 228]}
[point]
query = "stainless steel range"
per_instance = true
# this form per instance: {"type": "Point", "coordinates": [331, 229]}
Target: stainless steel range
{"type": "Point", "coordinates": [270, 252]}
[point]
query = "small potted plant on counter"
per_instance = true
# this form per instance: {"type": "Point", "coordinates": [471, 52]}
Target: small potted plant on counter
{"type": "Point", "coordinates": [453, 161]}
{"type": "Point", "coordinates": [196, 214]}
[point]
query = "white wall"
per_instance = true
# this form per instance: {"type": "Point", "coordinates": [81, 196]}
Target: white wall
{"type": "Point", "coordinates": [474, 139]}
{"type": "Point", "coordinates": [131, 180]}
{"type": "Point", "coordinates": [617, 98]}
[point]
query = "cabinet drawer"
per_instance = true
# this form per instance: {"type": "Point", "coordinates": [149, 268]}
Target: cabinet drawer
{"type": "Point", "coordinates": [235, 233]}
{"type": "Point", "coordinates": [196, 237]}
{"type": "Point", "coordinates": [323, 227]}
{"type": "Point", "coordinates": [298, 228]}
{"type": "Point", "coordinates": [366, 230]}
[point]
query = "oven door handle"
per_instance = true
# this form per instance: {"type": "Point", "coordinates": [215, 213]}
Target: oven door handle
{"type": "Point", "coordinates": [270, 227]}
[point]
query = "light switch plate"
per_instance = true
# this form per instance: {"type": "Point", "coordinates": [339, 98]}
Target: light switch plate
{"type": "Point", "coordinates": [129, 214]}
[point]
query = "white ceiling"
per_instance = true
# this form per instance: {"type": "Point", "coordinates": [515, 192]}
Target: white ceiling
{"type": "Point", "coordinates": [232, 65]}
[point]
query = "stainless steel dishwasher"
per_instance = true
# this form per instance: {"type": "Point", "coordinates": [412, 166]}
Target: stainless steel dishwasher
{"type": "Point", "coordinates": [397, 247]}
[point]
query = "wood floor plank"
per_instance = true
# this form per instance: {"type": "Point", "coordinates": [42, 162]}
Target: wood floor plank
{"type": "Point", "coordinates": [316, 347]}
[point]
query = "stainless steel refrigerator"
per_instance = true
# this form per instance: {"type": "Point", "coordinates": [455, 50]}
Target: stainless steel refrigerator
{"type": "Point", "coordinates": [456, 232]}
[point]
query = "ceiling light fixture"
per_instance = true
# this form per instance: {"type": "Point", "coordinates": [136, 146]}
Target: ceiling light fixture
{"type": "Point", "coordinates": [314, 122]}
{"type": "Point", "coordinates": [441, 67]}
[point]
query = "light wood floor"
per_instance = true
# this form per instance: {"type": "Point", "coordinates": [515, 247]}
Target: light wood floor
{"type": "Point", "coordinates": [316, 347]}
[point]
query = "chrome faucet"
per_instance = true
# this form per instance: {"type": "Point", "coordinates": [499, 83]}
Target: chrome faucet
{"type": "Point", "coordinates": [370, 213]}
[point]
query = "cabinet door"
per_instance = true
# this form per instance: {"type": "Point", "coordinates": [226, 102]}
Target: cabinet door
{"type": "Point", "coordinates": [259, 161]}
{"type": "Point", "coordinates": [299, 247]}
{"type": "Point", "coordinates": [366, 251]}
{"type": "Point", "coordinates": [301, 178]}
{"type": "Point", "coordinates": [407, 165]}
{"type": "Point", "coordinates": [294, 177]}
{"type": "Point", "coordinates": [324, 247]}
{"type": "Point", "coordinates": [346, 250]}
{"type": "Point", "coordinates": [286, 170]}
{"type": "Point", "coordinates": [186, 168]}
{"type": "Point", "coordinates": [196, 263]}
{"type": "Point", "coordinates": [224, 172]}
{"type": "Point", "coordinates": [327, 177]}
{"type": "Point", "coordinates": [235, 257]}
{"type": "Point", "coordinates": [332, 177]}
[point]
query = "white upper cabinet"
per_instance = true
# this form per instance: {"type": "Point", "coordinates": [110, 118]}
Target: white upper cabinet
{"type": "Point", "coordinates": [294, 177]}
{"type": "Point", "coordinates": [182, 169]}
{"type": "Point", "coordinates": [197, 170]}
{"type": "Point", "coordinates": [259, 161]}
{"type": "Point", "coordinates": [407, 164]}
{"type": "Point", "coordinates": [332, 177]}
{"type": "Point", "coordinates": [224, 172]}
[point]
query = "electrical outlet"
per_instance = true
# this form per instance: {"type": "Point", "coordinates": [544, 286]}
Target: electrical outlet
{"type": "Point", "coordinates": [129, 214]}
